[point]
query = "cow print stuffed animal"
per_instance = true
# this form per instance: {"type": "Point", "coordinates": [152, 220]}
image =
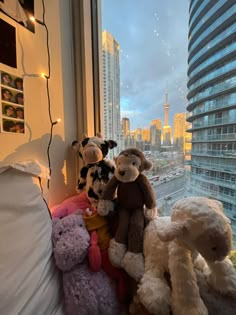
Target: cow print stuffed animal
{"type": "Point", "coordinates": [97, 170]}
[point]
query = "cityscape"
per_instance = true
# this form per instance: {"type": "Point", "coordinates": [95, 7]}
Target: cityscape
{"type": "Point", "coordinates": [197, 154]}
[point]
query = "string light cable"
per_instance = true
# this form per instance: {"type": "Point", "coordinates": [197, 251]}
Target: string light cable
{"type": "Point", "coordinates": [47, 78]}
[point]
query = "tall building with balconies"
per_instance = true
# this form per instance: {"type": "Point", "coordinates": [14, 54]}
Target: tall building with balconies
{"type": "Point", "coordinates": [212, 101]}
{"type": "Point", "coordinates": [111, 83]}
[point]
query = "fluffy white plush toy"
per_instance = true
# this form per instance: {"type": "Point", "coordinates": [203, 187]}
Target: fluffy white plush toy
{"type": "Point", "coordinates": [197, 233]}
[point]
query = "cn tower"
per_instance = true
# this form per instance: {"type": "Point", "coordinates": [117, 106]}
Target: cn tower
{"type": "Point", "coordinates": [166, 128]}
{"type": "Point", "coordinates": [166, 108]}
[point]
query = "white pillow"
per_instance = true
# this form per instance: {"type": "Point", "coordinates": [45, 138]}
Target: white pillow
{"type": "Point", "coordinates": [29, 281]}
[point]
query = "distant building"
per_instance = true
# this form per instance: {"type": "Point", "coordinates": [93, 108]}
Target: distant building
{"type": "Point", "coordinates": [155, 134]}
{"type": "Point", "coordinates": [138, 134]}
{"type": "Point", "coordinates": [179, 131]}
{"type": "Point", "coordinates": [146, 134]}
{"type": "Point", "coordinates": [125, 126]}
{"type": "Point", "coordinates": [130, 141]}
{"type": "Point", "coordinates": [111, 82]}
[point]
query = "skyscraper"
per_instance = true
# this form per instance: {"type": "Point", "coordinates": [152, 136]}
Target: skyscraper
{"type": "Point", "coordinates": [111, 82]}
{"type": "Point", "coordinates": [125, 126]}
{"type": "Point", "coordinates": [166, 127]}
{"type": "Point", "coordinates": [212, 101]}
{"type": "Point", "coordinates": [155, 134]}
{"type": "Point", "coordinates": [179, 131]}
{"type": "Point", "coordinates": [146, 134]}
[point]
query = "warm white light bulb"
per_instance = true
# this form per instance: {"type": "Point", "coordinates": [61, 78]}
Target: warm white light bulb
{"type": "Point", "coordinates": [43, 75]}
{"type": "Point", "coordinates": [32, 18]}
{"type": "Point", "coordinates": [56, 122]}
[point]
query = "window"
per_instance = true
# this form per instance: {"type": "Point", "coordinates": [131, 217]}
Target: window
{"type": "Point", "coordinates": [146, 56]}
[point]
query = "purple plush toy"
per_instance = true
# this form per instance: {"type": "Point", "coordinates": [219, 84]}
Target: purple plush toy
{"type": "Point", "coordinates": [86, 292]}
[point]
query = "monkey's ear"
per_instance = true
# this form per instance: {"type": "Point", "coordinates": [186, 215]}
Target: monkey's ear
{"type": "Point", "coordinates": [147, 165]}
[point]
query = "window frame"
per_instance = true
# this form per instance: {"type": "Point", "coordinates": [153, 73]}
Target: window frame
{"type": "Point", "coordinates": [86, 17]}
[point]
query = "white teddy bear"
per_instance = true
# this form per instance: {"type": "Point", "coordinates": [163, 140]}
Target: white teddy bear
{"type": "Point", "coordinates": [197, 228]}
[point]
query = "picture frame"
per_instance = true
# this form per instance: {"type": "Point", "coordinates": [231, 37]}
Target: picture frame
{"type": "Point", "coordinates": [20, 11]}
{"type": "Point", "coordinates": [8, 44]}
{"type": "Point", "coordinates": [12, 115]}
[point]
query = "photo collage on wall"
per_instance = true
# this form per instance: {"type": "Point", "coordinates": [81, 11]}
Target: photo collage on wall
{"type": "Point", "coordinates": [12, 103]}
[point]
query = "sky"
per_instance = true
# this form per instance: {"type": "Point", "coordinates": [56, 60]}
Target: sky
{"type": "Point", "coordinates": [153, 38]}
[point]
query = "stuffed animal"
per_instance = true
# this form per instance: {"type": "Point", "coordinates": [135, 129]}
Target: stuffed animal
{"type": "Point", "coordinates": [85, 291]}
{"type": "Point", "coordinates": [136, 199]}
{"type": "Point", "coordinates": [97, 170]}
{"type": "Point", "coordinates": [71, 205]}
{"type": "Point", "coordinates": [99, 229]}
{"type": "Point", "coordinates": [216, 303]}
{"type": "Point", "coordinates": [197, 233]}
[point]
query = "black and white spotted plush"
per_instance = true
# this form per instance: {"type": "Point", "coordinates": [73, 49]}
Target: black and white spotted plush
{"type": "Point", "coordinates": [97, 170]}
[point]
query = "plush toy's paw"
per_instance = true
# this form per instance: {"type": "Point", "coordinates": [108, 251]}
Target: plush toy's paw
{"type": "Point", "coordinates": [197, 309]}
{"type": "Point", "coordinates": [150, 213]}
{"type": "Point", "coordinates": [221, 276]}
{"type": "Point", "coordinates": [79, 191]}
{"type": "Point", "coordinates": [137, 308]}
{"type": "Point", "coordinates": [116, 252]}
{"type": "Point", "coordinates": [104, 207]}
{"type": "Point", "coordinates": [199, 262]}
{"type": "Point", "coordinates": [154, 294]}
{"type": "Point", "coordinates": [133, 263]}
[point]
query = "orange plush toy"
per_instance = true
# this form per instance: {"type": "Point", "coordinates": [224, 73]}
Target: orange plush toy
{"type": "Point", "coordinates": [98, 227]}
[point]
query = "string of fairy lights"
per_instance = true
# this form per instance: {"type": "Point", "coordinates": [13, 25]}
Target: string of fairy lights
{"type": "Point", "coordinates": [47, 78]}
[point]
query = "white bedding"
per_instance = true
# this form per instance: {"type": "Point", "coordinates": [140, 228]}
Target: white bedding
{"type": "Point", "coordinates": [29, 280]}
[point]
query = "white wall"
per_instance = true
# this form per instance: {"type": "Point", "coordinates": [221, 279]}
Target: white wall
{"type": "Point", "coordinates": [32, 59]}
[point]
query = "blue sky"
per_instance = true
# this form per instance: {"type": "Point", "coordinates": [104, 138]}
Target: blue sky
{"type": "Point", "coordinates": [153, 40]}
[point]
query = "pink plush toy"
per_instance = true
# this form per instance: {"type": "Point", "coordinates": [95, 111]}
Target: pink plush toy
{"type": "Point", "coordinates": [71, 205]}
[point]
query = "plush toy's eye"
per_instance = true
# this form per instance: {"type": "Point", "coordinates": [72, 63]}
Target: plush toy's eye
{"type": "Point", "coordinates": [60, 233]}
{"type": "Point", "coordinates": [214, 248]}
{"type": "Point", "coordinates": [133, 163]}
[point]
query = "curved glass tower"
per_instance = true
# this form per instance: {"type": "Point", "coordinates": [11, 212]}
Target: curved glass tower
{"type": "Point", "coordinates": [212, 101]}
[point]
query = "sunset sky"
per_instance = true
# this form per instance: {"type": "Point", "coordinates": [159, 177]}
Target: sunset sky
{"type": "Point", "coordinates": [153, 40]}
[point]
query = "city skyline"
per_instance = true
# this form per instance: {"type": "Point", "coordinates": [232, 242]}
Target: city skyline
{"type": "Point", "coordinates": [153, 51]}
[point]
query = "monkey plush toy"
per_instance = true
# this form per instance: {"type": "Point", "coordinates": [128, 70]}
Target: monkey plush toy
{"type": "Point", "coordinates": [136, 201]}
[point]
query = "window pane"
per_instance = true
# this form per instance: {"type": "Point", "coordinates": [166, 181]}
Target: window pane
{"type": "Point", "coordinates": [169, 76]}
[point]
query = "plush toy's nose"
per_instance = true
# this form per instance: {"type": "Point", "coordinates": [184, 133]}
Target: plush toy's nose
{"type": "Point", "coordinates": [122, 173]}
{"type": "Point", "coordinates": [91, 153]}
